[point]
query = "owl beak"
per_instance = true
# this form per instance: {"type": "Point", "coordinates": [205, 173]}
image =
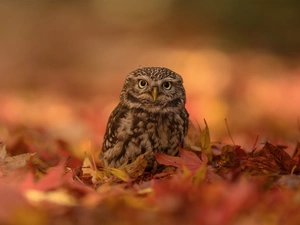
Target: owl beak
{"type": "Point", "coordinates": [154, 93]}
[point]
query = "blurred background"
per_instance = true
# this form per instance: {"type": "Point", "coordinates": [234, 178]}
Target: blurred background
{"type": "Point", "coordinates": [63, 63]}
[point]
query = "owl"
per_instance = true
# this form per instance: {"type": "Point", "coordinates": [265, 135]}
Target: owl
{"type": "Point", "coordinates": [151, 117]}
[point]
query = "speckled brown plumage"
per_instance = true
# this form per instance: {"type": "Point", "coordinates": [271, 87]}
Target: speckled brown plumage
{"type": "Point", "coordinates": [151, 117]}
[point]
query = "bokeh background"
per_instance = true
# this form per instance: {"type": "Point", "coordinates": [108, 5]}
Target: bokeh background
{"type": "Point", "coordinates": [63, 63]}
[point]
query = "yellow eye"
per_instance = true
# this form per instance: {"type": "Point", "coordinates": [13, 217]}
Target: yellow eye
{"type": "Point", "coordinates": [142, 83]}
{"type": "Point", "coordinates": [167, 85]}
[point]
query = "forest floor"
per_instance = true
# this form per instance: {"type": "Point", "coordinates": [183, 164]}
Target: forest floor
{"type": "Point", "coordinates": [50, 174]}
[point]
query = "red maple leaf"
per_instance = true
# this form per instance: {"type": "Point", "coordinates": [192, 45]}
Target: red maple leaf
{"type": "Point", "coordinates": [271, 158]}
{"type": "Point", "coordinates": [187, 158]}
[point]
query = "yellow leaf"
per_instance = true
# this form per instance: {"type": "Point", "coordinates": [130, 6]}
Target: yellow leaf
{"type": "Point", "coordinates": [145, 191]}
{"type": "Point", "coordinates": [205, 142]}
{"type": "Point", "coordinates": [11, 163]}
{"type": "Point", "coordinates": [28, 216]}
{"type": "Point", "coordinates": [88, 169]}
{"type": "Point", "coordinates": [121, 174]}
{"type": "Point", "coordinates": [200, 174]}
{"type": "Point", "coordinates": [136, 202]}
{"type": "Point", "coordinates": [137, 168]}
{"type": "Point", "coordinates": [58, 196]}
{"type": "Point", "coordinates": [185, 171]}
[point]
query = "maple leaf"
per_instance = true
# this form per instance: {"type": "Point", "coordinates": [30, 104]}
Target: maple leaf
{"type": "Point", "coordinates": [89, 170]}
{"type": "Point", "coordinates": [277, 154]}
{"type": "Point", "coordinates": [228, 162]}
{"type": "Point", "coordinates": [57, 196]}
{"type": "Point", "coordinates": [12, 201]}
{"type": "Point", "coordinates": [119, 173]}
{"type": "Point", "coordinates": [205, 142]}
{"type": "Point", "coordinates": [230, 156]}
{"type": "Point", "coordinates": [9, 163]}
{"type": "Point", "coordinates": [260, 164]}
{"type": "Point", "coordinates": [137, 168]}
{"type": "Point", "coordinates": [124, 173]}
{"type": "Point", "coordinates": [239, 152]}
{"type": "Point", "coordinates": [271, 159]}
{"type": "Point", "coordinates": [296, 158]}
{"type": "Point", "coordinates": [168, 160]}
{"type": "Point", "coordinates": [50, 181]}
{"type": "Point", "coordinates": [199, 140]}
{"type": "Point", "coordinates": [187, 159]}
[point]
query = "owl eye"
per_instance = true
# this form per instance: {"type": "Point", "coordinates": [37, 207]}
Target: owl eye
{"type": "Point", "coordinates": [167, 85]}
{"type": "Point", "coordinates": [142, 83]}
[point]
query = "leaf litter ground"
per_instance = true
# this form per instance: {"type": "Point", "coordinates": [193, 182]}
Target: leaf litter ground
{"type": "Point", "coordinates": [45, 181]}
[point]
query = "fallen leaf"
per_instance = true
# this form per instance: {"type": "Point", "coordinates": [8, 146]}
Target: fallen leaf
{"type": "Point", "coordinates": [168, 160]}
{"type": "Point", "coordinates": [230, 156]}
{"type": "Point", "coordinates": [9, 163]}
{"type": "Point", "coordinates": [57, 196]}
{"type": "Point", "coordinates": [283, 159]}
{"type": "Point", "coordinates": [137, 168]}
{"type": "Point", "coordinates": [296, 158]}
{"type": "Point", "coordinates": [119, 173]}
{"type": "Point", "coordinates": [89, 170]}
{"type": "Point", "coordinates": [271, 159]}
{"type": "Point", "coordinates": [205, 142]}
{"type": "Point", "coordinates": [187, 159]}
{"type": "Point", "coordinates": [53, 179]}
{"type": "Point", "coordinates": [200, 174]}
{"type": "Point", "coordinates": [11, 200]}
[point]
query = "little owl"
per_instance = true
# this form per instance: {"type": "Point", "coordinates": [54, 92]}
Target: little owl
{"type": "Point", "coordinates": [151, 117]}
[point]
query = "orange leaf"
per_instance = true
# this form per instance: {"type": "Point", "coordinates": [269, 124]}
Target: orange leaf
{"type": "Point", "coordinates": [168, 160]}
{"type": "Point", "coordinates": [187, 158]}
{"type": "Point", "coordinates": [283, 159]}
{"type": "Point", "coordinates": [52, 180]}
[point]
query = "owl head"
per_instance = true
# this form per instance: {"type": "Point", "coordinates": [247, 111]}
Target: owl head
{"type": "Point", "coordinates": [153, 88]}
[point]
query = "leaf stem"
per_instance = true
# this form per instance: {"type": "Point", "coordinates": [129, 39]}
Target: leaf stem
{"type": "Point", "coordinates": [229, 131]}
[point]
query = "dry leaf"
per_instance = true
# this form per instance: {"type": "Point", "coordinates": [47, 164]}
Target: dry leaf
{"type": "Point", "coordinates": [11, 163]}
{"type": "Point", "coordinates": [187, 159]}
{"type": "Point", "coordinates": [88, 170]}
{"type": "Point", "coordinates": [52, 180]}
{"type": "Point", "coordinates": [137, 168]}
{"type": "Point", "coordinates": [205, 142]}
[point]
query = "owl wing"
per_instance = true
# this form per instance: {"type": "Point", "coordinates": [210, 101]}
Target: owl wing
{"type": "Point", "coordinates": [185, 117]}
{"type": "Point", "coordinates": [114, 123]}
{"type": "Point", "coordinates": [118, 137]}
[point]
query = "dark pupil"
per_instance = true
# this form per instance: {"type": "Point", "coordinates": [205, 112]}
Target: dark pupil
{"type": "Point", "coordinates": [166, 84]}
{"type": "Point", "coordinates": [143, 83]}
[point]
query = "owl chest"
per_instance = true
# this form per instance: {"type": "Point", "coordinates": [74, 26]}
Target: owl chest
{"type": "Point", "coordinates": [155, 132]}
